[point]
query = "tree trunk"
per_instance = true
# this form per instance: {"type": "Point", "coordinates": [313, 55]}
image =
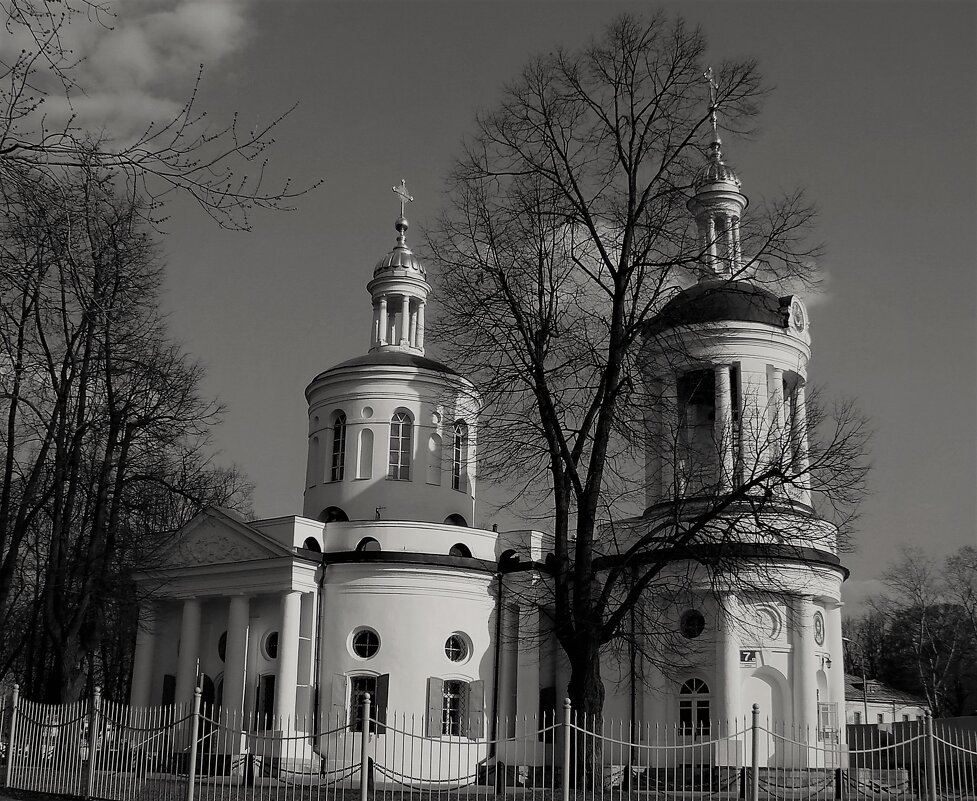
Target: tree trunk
{"type": "Point", "coordinates": [586, 693]}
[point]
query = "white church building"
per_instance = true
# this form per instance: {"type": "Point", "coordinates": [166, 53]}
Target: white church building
{"type": "Point", "coordinates": [384, 584]}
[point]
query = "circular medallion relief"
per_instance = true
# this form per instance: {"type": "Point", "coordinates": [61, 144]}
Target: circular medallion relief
{"type": "Point", "coordinates": [367, 412]}
{"type": "Point", "coordinates": [819, 628]}
{"type": "Point", "coordinates": [798, 316]}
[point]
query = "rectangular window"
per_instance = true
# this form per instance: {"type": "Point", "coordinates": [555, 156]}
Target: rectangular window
{"type": "Point", "coordinates": [881, 718]}
{"type": "Point", "coordinates": [905, 718]}
{"type": "Point", "coordinates": [377, 687]}
{"type": "Point", "coordinates": [857, 720]}
{"type": "Point", "coordinates": [358, 687]}
{"type": "Point", "coordinates": [828, 722]}
{"type": "Point", "coordinates": [454, 707]}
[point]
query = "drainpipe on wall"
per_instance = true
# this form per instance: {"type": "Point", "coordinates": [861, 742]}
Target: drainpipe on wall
{"type": "Point", "coordinates": [317, 662]}
{"type": "Point", "coordinates": [497, 669]}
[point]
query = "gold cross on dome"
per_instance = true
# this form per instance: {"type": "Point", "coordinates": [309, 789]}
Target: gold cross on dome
{"type": "Point", "coordinates": [403, 194]}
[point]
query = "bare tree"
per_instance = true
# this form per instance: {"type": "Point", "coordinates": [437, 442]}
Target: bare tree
{"type": "Point", "coordinates": [223, 168]}
{"type": "Point", "coordinates": [567, 230]}
{"type": "Point", "coordinates": [103, 421]}
{"type": "Point", "coordinates": [922, 628]}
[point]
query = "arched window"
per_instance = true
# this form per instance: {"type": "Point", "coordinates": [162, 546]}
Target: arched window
{"type": "Point", "coordinates": [312, 544]}
{"type": "Point", "coordinates": [459, 549]}
{"type": "Point", "coordinates": [434, 459]}
{"type": "Point", "coordinates": [364, 460]}
{"type": "Point", "coordinates": [401, 427]}
{"type": "Point", "coordinates": [338, 448]}
{"type": "Point", "coordinates": [693, 707]}
{"type": "Point", "coordinates": [333, 514]}
{"type": "Point", "coordinates": [455, 520]}
{"type": "Point", "coordinates": [368, 544]}
{"type": "Point", "coordinates": [459, 456]}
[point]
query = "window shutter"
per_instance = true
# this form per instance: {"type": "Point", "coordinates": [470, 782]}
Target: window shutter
{"type": "Point", "coordinates": [435, 701]}
{"type": "Point", "coordinates": [380, 710]}
{"type": "Point", "coordinates": [337, 715]}
{"type": "Point", "coordinates": [474, 724]}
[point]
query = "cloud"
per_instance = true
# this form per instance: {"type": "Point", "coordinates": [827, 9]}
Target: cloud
{"type": "Point", "coordinates": [139, 66]}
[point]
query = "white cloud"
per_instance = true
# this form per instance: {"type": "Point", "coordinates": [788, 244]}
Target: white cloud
{"type": "Point", "coordinates": [139, 66]}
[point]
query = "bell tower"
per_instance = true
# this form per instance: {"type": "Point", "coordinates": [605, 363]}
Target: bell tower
{"type": "Point", "coordinates": [400, 290]}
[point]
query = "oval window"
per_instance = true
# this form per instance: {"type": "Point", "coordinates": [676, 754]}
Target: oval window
{"type": "Point", "coordinates": [692, 624]}
{"type": "Point", "coordinates": [456, 648]}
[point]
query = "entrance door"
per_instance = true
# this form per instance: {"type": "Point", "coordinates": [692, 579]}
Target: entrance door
{"type": "Point", "coordinates": [264, 706]}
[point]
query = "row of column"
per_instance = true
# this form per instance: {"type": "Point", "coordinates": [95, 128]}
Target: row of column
{"type": "Point", "coordinates": [759, 435]}
{"type": "Point", "coordinates": [728, 236]}
{"type": "Point", "coordinates": [236, 655]}
{"type": "Point", "coordinates": [409, 332]}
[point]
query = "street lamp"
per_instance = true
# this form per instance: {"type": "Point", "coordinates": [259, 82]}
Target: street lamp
{"type": "Point", "coordinates": [853, 646]}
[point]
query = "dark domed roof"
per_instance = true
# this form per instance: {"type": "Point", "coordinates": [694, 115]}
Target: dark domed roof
{"type": "Point", "coordinates": [716, 301]}
{"type": "Point", "coordinates": [391, 358]}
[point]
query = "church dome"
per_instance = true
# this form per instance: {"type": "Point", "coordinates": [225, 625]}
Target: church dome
{"type": "Point", "coordinates": [716, 172]}
{"type": "Point", "coordinates": [719, 301]}
{"type": "Point", "coordinates": [400, 258]}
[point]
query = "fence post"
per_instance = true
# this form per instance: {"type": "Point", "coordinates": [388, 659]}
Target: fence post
{"type": "Point", "coordinates": [930, 757]}
{"type": "Point", "coordinates": [194, 728]}
{"type": "Point", "coordinates": [11, 751]}
{"type": "Point", "coordinates": [755, 755]}
{"type": "Point", "coordinates": [365, 747]}
{"type": "Point", "coordinates": [567, 736]}
{"type": "Point", "coordinates": [93, 740]}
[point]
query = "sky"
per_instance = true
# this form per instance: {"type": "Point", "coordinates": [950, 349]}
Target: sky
{"type": "Point", "coordinates": [874, 113]}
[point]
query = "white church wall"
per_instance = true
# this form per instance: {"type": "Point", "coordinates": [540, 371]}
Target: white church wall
{"type": "Point", "coordinates": [413, 609]}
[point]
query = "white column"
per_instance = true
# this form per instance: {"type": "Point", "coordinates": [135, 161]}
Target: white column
{"type": "Point", "coordinates": [801, 460]}
{"type": "Point", "coordinates": [724, 427]}
{"type": "Point", "coordinates": [711, 242]}
{"type": "Point", "coordinates": [235, 654]}
{"type": "Point", "coordinates": [383, 320]}
{"type": "Point", "coordinates": [142, 662]}
{"type": "Point", "coordinates": [804, 666]}
{"type": "Point", "coordinates": [420, 325]}
{"type": "Point", "coordinates": [737, 252]}
{"type": "Point", "coordinates": [375, 331]}
{"type": "Point", "coordinates": [288, 656]}
{"type": "Point", "coordinates": [728, 662]}
{"type": "Point", "coordinates": [754, 428]}
{"type": "Point", "coordinates": [186, 672]}
{"type": "Point", "coordinates": [405, 320]}
{"type": "Point", "coordinates": [669, 408]}
{"type": "Point", "coordinates": [413, 327]}
{"type": "Point", "coordinates": [776, 394]}
{"type": "Point", "coordinates": [836, 674]}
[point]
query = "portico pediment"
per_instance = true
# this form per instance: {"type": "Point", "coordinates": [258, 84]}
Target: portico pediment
{"type": "Point", "coordinates": [214, 537]}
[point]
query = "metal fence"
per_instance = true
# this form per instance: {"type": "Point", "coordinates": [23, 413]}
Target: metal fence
{"type": "Point", "coordinates": [108, 750]}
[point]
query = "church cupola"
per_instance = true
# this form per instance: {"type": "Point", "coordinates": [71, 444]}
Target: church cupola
{"type": "Point", "coordinates": [399, 290]}
{"type": "Point", "coordinates": [717, 207]}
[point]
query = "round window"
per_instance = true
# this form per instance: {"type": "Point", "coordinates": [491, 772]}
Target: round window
{"type": "Point", "coordinates": [456, 648]}
{"type": "Point", "coordinates": [692, 623]}
{"type": "Point", "coordinates": [366, 643]}
{"type": "Point", "coordinates": [222, 647]}
{"type": "Point", "coordinates": [270, 645]}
